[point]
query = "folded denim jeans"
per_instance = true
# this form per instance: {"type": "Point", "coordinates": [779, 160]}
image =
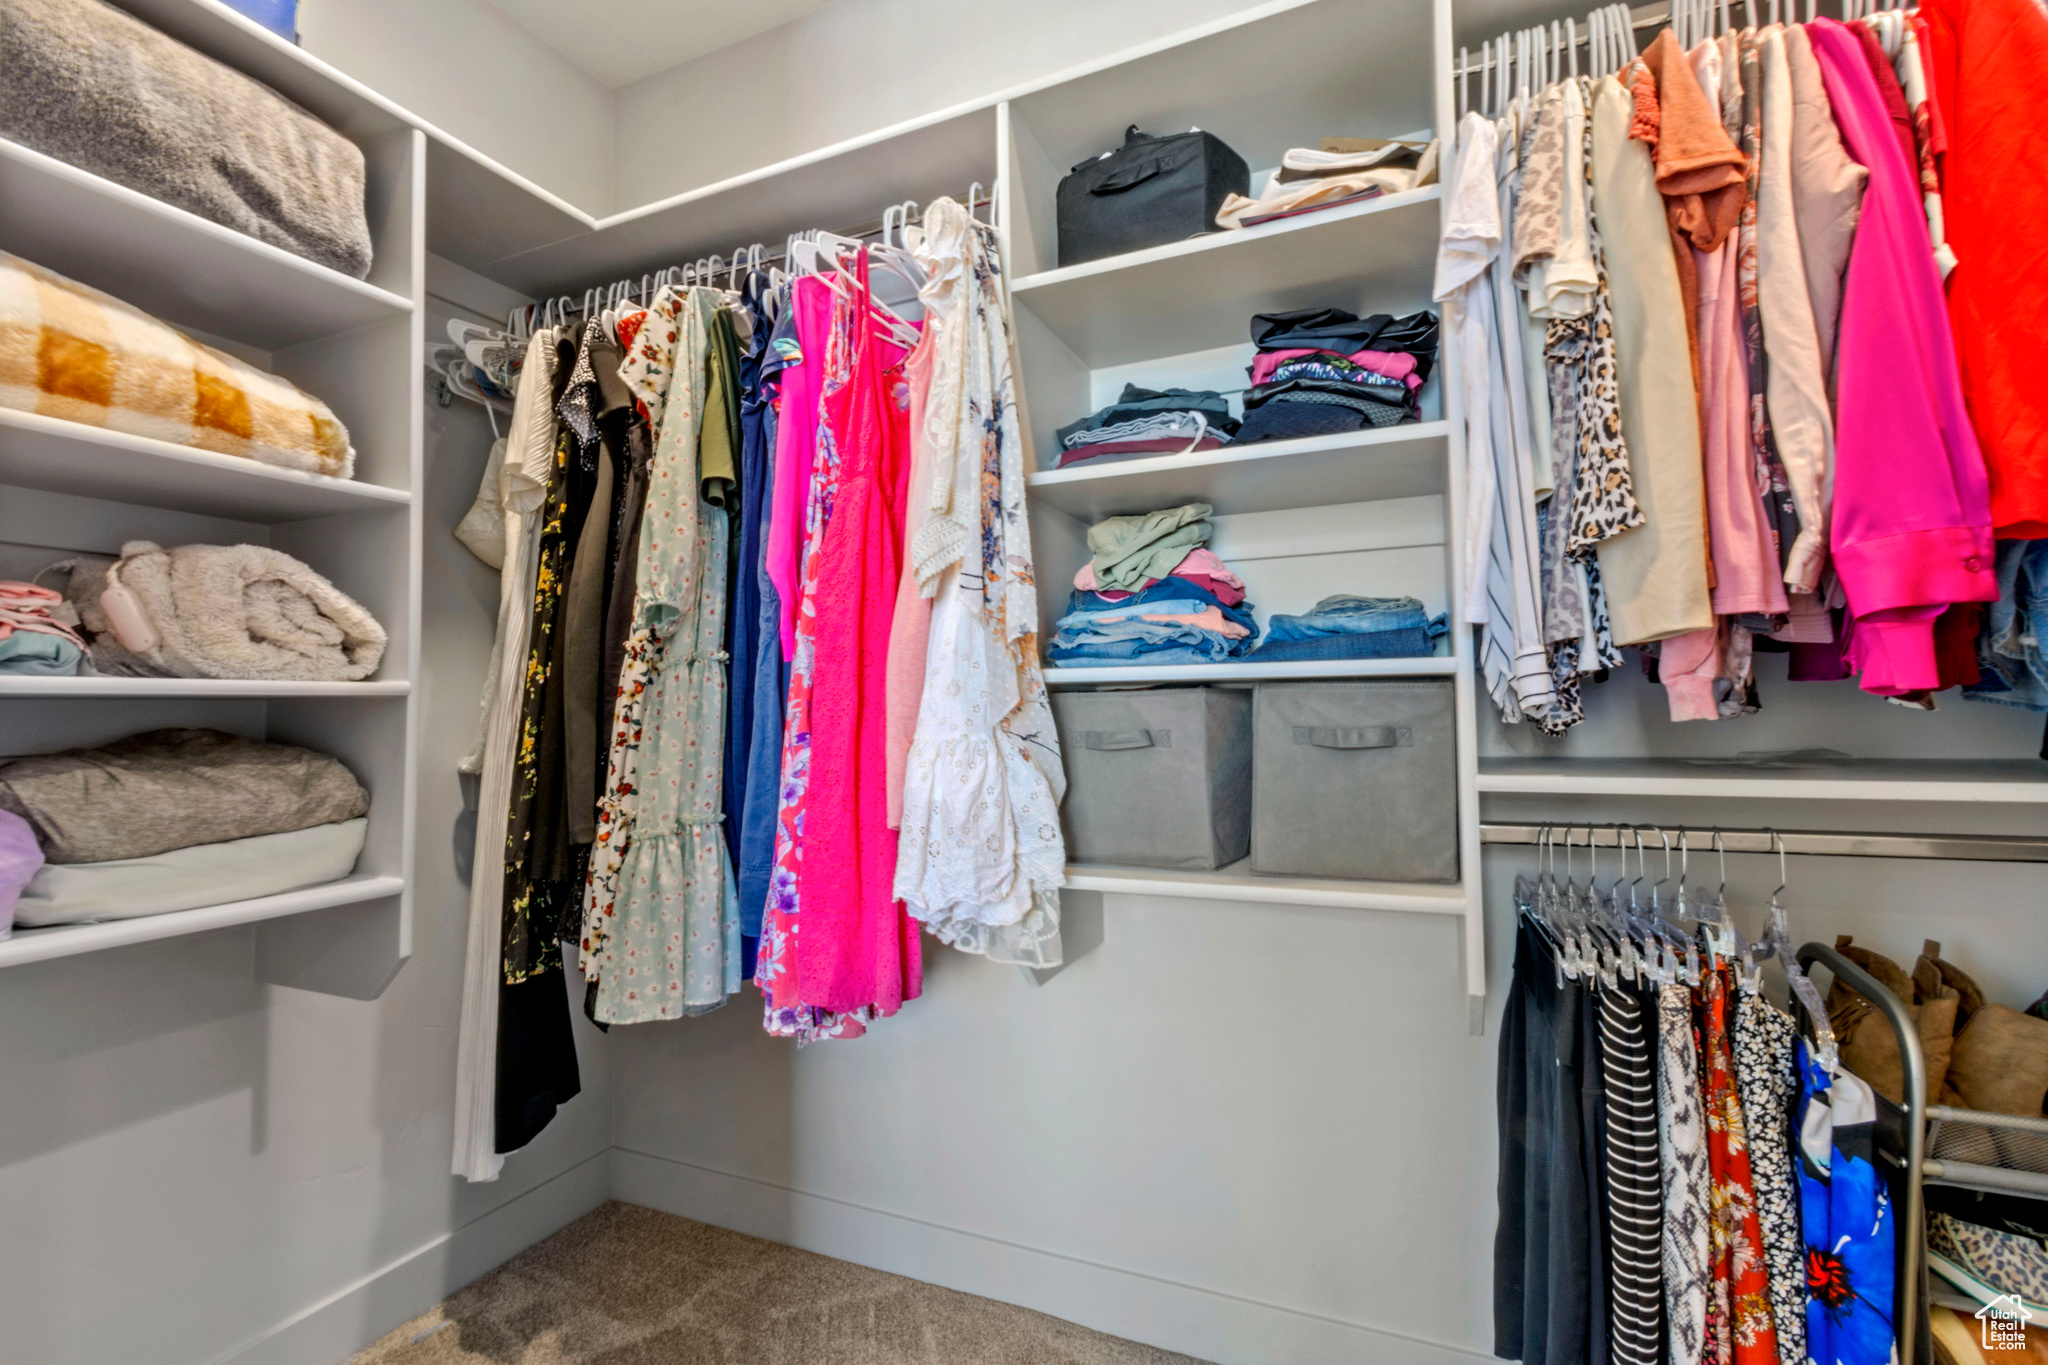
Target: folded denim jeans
{"type": "Point", "coordinates": [1114, 635]}
{"type": "Point", "coordinates": [1089, 656]}
{"type": "Point", "coordinates": [1408, 642]}
{"type": "Point", "coordinates": [1343, 614]}
{"type": "Point", "coordinates": [1168, 594]}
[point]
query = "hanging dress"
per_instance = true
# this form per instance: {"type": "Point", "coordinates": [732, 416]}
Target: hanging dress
{"type": "Point", "coordinates": [1682, 1142]}
{"type": "Point", "coordinates": [822, 930]}
{"type": "Point", "coordinates": [1747, 1335]}
{"type": "Point", "coordinates": [528, 458]}
{"type": "Point", "coordinates": [982, 857]}
{"type": "Point", "coordinates": [670, 948]}
{"type": "Point", "coordinates": [1765, 1082]}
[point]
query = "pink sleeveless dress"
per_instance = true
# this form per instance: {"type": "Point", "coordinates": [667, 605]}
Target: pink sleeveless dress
{"type": "Point", "coordinates": [837, 948]}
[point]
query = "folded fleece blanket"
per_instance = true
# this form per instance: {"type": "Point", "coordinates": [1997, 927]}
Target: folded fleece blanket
{"type": "Point", "coordinates": [223, 611]}
{"type": "Point", "coordinates": [71, 352]}
{"type": "Point", "coordinates": [166, 789]}
{"type": "Point", "coordinates": [187, 878]}
{"type": "Point", "coordinates": [87, 84]}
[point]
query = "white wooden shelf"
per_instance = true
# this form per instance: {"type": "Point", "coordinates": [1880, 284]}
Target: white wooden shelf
{"type": "Point", "coordinates": [69, 457]}
{"type": "Point", "coordinates": [1202, 293]}
{"type": "Point", "coordinates": [1239, 883]}
{"type": "Point", "coordinates": [1268, 476]}
{"type": "Point", "coordinates": [67, 940]}
{"type": "Point", "coordinates": [140, 689]}
{"type": "Point", "coordinates": [173, 264]}
{"type": "Point", "coordinates": [2014, 781]}
{"type": "Point", "coordinates": [1432, 667]}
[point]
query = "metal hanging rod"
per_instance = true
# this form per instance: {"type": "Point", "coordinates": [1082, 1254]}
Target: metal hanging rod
{"type": "Point", "coordinates": [575, 305]}
{"type": "Point", "coordinates": [1975, 848]}
{"type": "Point", "coordinates": [1581, 36]}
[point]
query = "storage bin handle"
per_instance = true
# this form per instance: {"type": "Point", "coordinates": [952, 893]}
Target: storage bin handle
{"type": "Point", "coordinates": [1352, 736]}
{"type": "Point", "coordinates": [1127, 739]}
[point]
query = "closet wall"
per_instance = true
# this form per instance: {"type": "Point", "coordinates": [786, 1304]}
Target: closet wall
{"type": "Point", "coordinates": [465, 67]}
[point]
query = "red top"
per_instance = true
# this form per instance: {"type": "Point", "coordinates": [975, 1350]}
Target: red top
{"type": "Point", "coordinates": [1984, 60]}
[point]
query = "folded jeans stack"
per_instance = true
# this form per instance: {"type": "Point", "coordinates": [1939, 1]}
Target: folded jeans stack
{"type": "Point", "coordinates": [1321, 371]}
{"type": "Point", "coordinates": [1344, 170]}
{"type": "Point", "coordinates": [1153, 594]}
{"type": "Point", "coordinates": [1149, 422]}
{"type": "Point", "coordinates": [176, 819]}
{"type": "Point", "coordinates": [1346, 627]}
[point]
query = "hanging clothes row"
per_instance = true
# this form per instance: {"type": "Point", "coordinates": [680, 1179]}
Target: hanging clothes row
{"type": "Point", "coordinates": [765, 698]}
{"type": "Point", "coordinates": [1716, 398]}
{"type": "Point", "coordinates": [1684, 1177]}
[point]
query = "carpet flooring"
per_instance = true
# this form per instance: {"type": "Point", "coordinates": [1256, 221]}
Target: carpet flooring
{"type": "Point", "coordinates": [626, 1285]}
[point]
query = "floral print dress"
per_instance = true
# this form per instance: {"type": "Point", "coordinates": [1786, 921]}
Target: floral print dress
{"type": "Point", "coordinates": [668, 941]}
{"type": "Point", "coordinates": [1741, 1283]}
{"type": "Point", "coordinates": [1845, 1219]}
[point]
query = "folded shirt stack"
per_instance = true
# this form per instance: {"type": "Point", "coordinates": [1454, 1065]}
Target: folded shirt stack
{"type": "Point", "coordinates": [1152, 594]}
{"type": "Point", "coordinates": [1345, 627]}
{"type": "Point", "coordinates": [176, 819]}
{"type": "Point", "coordinates": [1149, 422]}
{"type": "Point", "coordinates": [1344, 170]}
{"type": "Point", "coordinates": [1320, 371]}
{"type": "Point", "coordinates": [37, 638]}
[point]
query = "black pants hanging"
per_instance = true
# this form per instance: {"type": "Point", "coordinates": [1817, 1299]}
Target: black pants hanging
{"type": "Point", "coordinates": [1549, 1252]}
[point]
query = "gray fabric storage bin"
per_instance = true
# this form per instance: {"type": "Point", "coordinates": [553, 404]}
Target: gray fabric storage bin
{"type": "Point", "coordinates": [1357, 780]}
{"type": "Point", "coordinates": [1157, 778]}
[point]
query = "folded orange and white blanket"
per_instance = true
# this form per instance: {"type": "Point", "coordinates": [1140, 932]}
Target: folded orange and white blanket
{"type": "Point", "coordinates": [71, 352]}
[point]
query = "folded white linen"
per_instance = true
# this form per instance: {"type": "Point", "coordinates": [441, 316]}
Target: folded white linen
{"type": "Point", "coordinates": [188, 878]}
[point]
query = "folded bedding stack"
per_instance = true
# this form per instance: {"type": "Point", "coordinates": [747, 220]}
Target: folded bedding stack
{"type": "Point", "coordinates": [1153, 595]}
{"type": "Point", "coordinates": [176, 819]}
{"type": "Point", "coordinates": [218, 611]}
{"type": "Point", "coordinates": [73, 353]}
{"type": "Point", "coordinates": [1320, 371]}
{"type": "Point", "coordinates": [1345, 627]}
{"type": "Point", "coordinates": [1343, 170]}
{"type": "Point", "coordinates": [92, 86]}
{"type": "Point", "coordinates": [1149, 422]}
{"type": "Point", "coordinates": [37, 638]}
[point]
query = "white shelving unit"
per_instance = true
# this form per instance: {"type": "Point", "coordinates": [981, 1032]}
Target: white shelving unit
{"type": "Point", "coordinates": [1298, 519]}
{"type": "Point", "coordinates": [68, 489]}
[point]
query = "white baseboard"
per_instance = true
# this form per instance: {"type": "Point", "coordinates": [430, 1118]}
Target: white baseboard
{"type": "Point", "coordinates": [335, 1329]}
{"type": "Point", "coordinates": [1178, 1317]}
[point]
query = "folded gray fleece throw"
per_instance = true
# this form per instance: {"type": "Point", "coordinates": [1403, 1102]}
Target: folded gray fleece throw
{"type": "Point", "coordinates": [87, 84]}
{"type": "Point", "coordinates": [166, 789]}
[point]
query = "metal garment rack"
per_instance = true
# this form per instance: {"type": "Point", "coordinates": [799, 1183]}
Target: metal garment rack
{"type": "Point", "coordinates": [1977, 848]}
{"type": "Point", "coordinates": [1905, 1147]}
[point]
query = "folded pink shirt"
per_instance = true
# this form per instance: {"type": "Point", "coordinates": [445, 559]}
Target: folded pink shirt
{"type": "Point", "coordinates": [1393, 364]}
{"type": "Point", "coordinates": [1201, 567]}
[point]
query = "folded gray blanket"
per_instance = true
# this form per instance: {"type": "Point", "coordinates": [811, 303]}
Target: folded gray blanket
{"type": "Point", "coordinates": [166, 789]}
{"type": "Point", "coordinates": [87, 84]}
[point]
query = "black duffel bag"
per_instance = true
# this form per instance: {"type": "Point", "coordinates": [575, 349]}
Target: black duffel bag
{"type": "Point", "coordinates": [1150, 191]}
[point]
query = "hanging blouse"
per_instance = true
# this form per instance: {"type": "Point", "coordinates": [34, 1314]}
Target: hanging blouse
{"type": "Point", "coordinates": [1984, 61]}
{"type": "Point", "coordinates": [1655, 574]}
{"type": "Point", "coordinates": [982, 857]}
{"type": "Point", "coordinates": [1912, 520]}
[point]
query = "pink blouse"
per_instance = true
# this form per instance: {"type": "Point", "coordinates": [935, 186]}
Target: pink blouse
{"type": "Point", "coordinates": [1911, 531]}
